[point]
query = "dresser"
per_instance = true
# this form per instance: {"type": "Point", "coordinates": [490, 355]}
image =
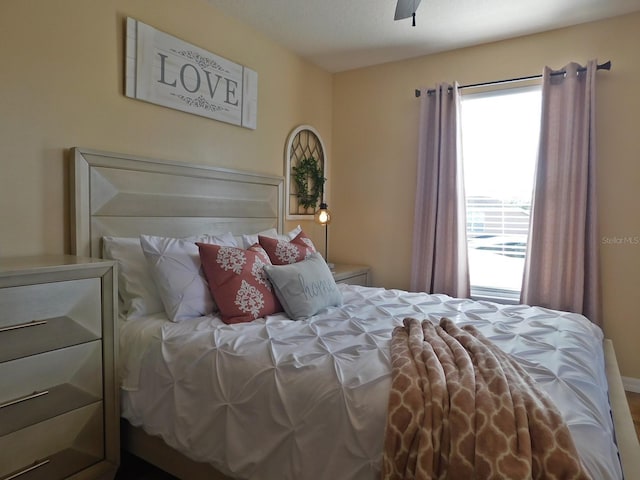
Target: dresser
{"type": "Point", "coordinates": [352, 274]}
{"type": "Point", "coordinates": [59, 403]}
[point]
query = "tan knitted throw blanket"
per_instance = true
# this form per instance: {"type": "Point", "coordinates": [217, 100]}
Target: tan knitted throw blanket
{"type": "Point", "coordinates": [460, 408]}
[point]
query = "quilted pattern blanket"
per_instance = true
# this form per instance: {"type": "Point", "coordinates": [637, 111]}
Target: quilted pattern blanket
{"type": "Point", "coordinates": [307, 400]}
{"type": "Point", "coordinates": [459, 407]}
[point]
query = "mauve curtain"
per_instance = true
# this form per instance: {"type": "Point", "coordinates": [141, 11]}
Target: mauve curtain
{"type": "Point", "coordinates": [562, 266]}
{"type": "Point", "coordinates": [439, 260]}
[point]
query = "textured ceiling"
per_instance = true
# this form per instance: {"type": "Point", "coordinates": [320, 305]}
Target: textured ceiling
{"type": "Point", "coordinates": [340, 35]}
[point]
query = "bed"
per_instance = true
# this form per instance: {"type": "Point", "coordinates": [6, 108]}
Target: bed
{"type": "Point", "coordinates": [204, 399]}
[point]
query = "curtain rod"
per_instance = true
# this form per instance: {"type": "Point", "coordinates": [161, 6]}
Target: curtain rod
{"type": "Point", "coordinates": [603, 66]}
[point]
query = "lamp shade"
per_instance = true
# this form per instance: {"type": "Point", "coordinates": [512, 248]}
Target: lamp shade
{"type": "Point", "coordinates": [323, 215]}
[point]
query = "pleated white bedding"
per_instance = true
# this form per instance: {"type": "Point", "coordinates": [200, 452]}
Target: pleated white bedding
{"type": "Point", "coordinates": [278, 399]}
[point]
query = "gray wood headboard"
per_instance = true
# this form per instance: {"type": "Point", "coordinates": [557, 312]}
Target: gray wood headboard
{"type": "Point", "coordinates": [125, 196]}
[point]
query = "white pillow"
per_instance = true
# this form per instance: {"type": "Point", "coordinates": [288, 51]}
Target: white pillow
{"type": "Point", "coordinates": [247, 240]}
{"type": "Point", "coordinates": [175, 268]}
{"type": "Point", "coordinates": [294, 233]}
{"type": "Point", "coordinates": [136, 289]}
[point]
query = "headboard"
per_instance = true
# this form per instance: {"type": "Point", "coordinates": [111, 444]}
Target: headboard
{"type": "Point", "coordinates": [125, 196]}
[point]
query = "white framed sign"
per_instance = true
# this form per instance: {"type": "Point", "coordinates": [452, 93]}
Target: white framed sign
{"type": "Point", "coordinates": [167, 71]}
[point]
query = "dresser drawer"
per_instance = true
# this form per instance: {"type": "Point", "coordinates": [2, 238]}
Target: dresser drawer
{"type": "Point", "coordinates": [47, 316]}
{"type": "Point", "coordinates": [56, 448]}
{"type": "Point", "coordinates": [355, 280]}
{"type": "Point", "coordinates": [351, 274]}
{"type": "Point", "coordinates": [39, 387]}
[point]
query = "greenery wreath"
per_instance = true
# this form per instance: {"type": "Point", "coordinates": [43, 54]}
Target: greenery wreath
{"type": "Point", "coordinates": [309, 180]}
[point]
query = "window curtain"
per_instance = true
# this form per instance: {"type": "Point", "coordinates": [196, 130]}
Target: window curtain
{"type": "Point", "coordinates": [439, 255]}
{"type": "Point", "coordinates": [562, 266]}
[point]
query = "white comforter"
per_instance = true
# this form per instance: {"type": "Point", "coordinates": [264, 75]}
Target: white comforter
{"type": "Point", "coordinates": [280, 399]}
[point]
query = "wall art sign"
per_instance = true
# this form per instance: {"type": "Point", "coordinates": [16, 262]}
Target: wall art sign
{"type": "Point", "coordinates": [167, 71]}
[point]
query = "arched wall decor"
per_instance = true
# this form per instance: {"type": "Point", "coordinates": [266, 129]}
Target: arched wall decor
{"type": "Point", "coordinates": [303, 143]}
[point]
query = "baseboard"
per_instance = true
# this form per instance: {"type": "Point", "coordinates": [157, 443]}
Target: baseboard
{"type": "Point", "coordinates": [631, 384]}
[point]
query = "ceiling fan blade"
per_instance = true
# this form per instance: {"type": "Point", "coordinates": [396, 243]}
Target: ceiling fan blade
{"type": "Point", "coordinates": [406, 8]}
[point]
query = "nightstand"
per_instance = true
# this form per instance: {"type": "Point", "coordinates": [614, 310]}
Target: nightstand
{"type": "Point", "coordinates": [59, 402]}
{"type": "Point", "coordinates": [352, 274]}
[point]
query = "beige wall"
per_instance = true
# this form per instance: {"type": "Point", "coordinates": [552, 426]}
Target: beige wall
{"type": "Point", "coordinates": [61, 85]}
{"type": "Point", "coordinates": [375, 149]}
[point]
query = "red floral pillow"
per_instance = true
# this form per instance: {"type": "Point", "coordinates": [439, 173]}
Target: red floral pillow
{"type": "Point", "coordinates": [238, 283]}
{"type": "Point", "coordinates": [284, 252]}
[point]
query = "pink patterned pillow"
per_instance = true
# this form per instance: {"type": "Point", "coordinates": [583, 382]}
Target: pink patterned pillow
{"type": "Point", "coordinates": [284, 252]}
{"type": "Point", "coordinates": [238, 283]}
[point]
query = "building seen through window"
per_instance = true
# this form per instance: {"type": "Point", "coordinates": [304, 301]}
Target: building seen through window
{"type": "Point", "coordinates": [500, 134]}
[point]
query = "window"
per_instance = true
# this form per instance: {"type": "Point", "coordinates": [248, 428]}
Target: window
{"type": "Point", "coordinates": [500, 134]}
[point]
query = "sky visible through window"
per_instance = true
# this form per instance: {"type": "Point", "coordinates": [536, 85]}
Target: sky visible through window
{"type": "Point", "coordinates": [500, 134]}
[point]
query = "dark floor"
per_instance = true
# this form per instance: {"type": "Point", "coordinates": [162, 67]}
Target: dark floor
{"type": "Point", "coordinates": [133, 468]}
{"type": "Point", "coordinates": [634, 405]}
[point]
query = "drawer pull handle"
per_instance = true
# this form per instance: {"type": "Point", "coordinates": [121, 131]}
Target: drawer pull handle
{"type": "Point", "coordinates": [23, 325]}
{"type": "Point", "coordinates": [24, 399]}
{"type": "Point", "coordinates": [28, 469]}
